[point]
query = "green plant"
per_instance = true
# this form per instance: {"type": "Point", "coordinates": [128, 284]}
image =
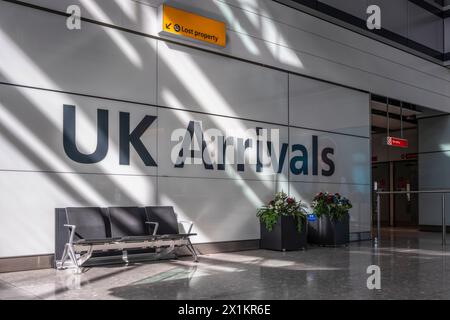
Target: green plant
{"type": "Point", "coordinates": [282, 205]}
{"type": "Point", "coordinates": [334, 206]}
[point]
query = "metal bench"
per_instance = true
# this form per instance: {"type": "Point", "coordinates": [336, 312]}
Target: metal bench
{"type": "Point", "coordinates": [119, 229]}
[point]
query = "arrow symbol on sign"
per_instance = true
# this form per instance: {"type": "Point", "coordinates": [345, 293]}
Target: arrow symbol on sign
{"type": "Point", "coordinates": [168, 25]}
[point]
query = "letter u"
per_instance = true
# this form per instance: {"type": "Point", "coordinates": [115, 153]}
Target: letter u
{"type": "Point", "coordinates": [69, 137]}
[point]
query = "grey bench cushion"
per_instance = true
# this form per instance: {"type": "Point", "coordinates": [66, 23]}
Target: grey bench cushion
{"type": "Point", "coordinates": [175, 236]}
{"type": "Point", "coordinates": [166, 217]}
{"type": "Point", "coordinates": [138, 238]}
{"type": "Point", "coordinates": [128, 222]}
{"type": "Point", "coordinates": [90, 222]}
{"type": "Point", "coordinates": [96, 241]}
{"type": "Point", "coordinates": [165, 237]}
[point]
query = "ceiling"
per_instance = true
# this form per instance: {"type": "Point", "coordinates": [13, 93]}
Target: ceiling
{"type": "Point", "coordinates": [400, 114]}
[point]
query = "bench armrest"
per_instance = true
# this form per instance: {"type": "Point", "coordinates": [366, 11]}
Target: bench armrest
{"type": "Point", "coordinates": [191, 225]}
{"type": "Point", "coordinates": [156, 224]}
{"type": "Point", "coordinates": [72, 229]}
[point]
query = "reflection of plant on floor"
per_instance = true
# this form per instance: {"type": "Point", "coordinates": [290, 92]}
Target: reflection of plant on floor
{"type": "Point", "coordinates": [334, 206]}
{"type": "Point", "coordinates": [282, 205]}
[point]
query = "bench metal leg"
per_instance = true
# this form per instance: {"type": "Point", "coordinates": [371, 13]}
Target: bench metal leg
{"type": "Point", "coordinates": [85, 252]}
{"type": "Point", "coordinates": [160, 253]}
{"type": "Point", "coordinates": [68, 253]}
{"type": "Point", "coordinates": [84, 258]}
{"type": "Point", "coordinates": [125, 256]}
{"type": "Point", "coordinates": [64, 257]}
{"type": "Point", "coordinates": [73, 257]}
{"type": "Point", "coordinates": [192, 250]}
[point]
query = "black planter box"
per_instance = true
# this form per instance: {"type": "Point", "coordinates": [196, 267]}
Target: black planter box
{"type": "Point", "coordinates": [284, 235]}
{"type": "Point", "coordinates": [329, 232]}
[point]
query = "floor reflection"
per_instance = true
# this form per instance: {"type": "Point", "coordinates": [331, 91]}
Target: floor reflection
{"type": "Point", "coordinates": [413, 266]}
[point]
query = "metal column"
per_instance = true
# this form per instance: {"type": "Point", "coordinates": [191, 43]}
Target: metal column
{"type": "Point", "coordinates": [444, 225]}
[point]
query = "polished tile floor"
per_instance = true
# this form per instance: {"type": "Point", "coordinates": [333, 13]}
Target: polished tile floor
{"type": "Point", "coordinates": [413, 266]}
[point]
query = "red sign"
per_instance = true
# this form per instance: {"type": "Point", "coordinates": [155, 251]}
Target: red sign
{"type": "Point", "coordinates": [409, 156]}
{"type": "Point", "coordinates": [397, 142]}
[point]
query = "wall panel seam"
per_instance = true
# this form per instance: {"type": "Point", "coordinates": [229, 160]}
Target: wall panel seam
{"type": "Point", "coordinates": [268, 66]}
{"type": "Point", "coordinates": [177, 177]}
{"type": "Point", "coordinates": [184, 110]}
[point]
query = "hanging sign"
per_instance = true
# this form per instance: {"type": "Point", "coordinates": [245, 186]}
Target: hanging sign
{"type": "Point", "coordinates": [183, 24]}
{"type": "Point", "coordinates": [397, 142]}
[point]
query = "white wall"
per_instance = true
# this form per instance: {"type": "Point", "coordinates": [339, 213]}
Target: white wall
{"type": "Point", "coordinates": [273, 34]}
{"type": "Point", "coordinates": [177, 84]}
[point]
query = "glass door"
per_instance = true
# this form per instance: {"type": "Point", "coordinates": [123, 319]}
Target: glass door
{"type": "Point", "coordinates": [380, 175]}
{"type": "Point", "coordinates": [406, 207]}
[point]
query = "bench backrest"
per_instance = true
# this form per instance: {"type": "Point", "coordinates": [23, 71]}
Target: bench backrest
{"type": "Point", "coordinates": [166, 217]}
{"type": "Point", "coordinates": [91, 222]}
{"type": "Point", "coordinates": [128, 221]}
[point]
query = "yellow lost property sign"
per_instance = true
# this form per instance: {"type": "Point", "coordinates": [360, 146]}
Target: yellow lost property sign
{"type": "Point", "coordinates": [185, 24]}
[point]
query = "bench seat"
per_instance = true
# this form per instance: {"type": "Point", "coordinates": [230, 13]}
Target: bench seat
{"type": "Point", "coordinates": [102, 230]}
{"type": "Point", "coordinates": [96, 241]}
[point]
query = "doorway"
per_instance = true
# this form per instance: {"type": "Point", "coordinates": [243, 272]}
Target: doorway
{"type": "Point", "coordinates": [396, 210]}
{"type": "Point", "coordinates": [394, 168]}
{"type": "Point", "coordinates": [381, 176]}
{"type": "Point", "coordinates": [406, 207]}
{"type": "Point", "coordinates": [403, 165]}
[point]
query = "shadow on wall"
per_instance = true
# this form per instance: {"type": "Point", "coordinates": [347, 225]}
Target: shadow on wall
{"type": "Point", "coordinates": [61, 72]}
{"type": "Point", "coordinates": [72, 64]}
